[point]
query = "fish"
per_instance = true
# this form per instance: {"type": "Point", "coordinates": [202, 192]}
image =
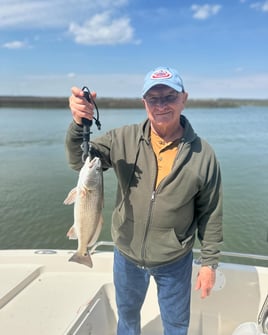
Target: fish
{"type": "Point", "coordinates": [87, 198]}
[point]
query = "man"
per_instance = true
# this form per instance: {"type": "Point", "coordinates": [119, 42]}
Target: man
{"type": "Point", "coordinates": [169, 187]}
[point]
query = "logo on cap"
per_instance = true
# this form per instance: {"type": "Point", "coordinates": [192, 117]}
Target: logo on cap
{"type": "Point", "coordinates": [161, 74]}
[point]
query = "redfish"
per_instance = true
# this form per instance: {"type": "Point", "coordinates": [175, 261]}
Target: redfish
{"type": "Point", "coordinates": [87, 197]}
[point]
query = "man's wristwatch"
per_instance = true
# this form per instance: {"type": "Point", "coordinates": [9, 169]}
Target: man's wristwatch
{"type": "Point", "coordinates": [213, 266]}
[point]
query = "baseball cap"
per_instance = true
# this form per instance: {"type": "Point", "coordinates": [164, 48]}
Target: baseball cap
{"type": "Point", "coordinates": [163, 76]}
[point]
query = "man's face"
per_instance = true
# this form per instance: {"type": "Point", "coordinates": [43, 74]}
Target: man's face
{"type": "Point", "coordinates": [164, 106]}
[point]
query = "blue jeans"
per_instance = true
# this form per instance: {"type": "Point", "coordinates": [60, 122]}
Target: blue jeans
{"type": "Point", "coordinates": [173, 288]}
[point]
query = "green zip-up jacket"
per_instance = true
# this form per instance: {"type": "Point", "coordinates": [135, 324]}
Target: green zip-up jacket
{"type": "Point", "coordinates": [152, 226]}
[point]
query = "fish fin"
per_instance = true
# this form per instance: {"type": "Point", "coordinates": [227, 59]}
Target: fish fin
{"type": "Point", "coordinates": [83, 192]}
{"type": "Point", "coordinates": [70, 199]}
{"type": "Point", "coordinates": [82, 259]}
{"type": "Point", "coordinates": [72, 233]}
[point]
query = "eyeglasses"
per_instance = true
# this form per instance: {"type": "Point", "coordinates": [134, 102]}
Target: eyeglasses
{"type": "Point", "coordinates": [168, 99]}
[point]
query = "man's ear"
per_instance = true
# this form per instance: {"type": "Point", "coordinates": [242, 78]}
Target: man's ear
{"type": "Point", "coordinates": [143, 100]}
{"type": "Point", "coordinates": [185, 97]}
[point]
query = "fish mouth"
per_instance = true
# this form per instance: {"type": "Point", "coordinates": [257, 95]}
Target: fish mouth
{"type": "Point", "coordinates": [92, 162]}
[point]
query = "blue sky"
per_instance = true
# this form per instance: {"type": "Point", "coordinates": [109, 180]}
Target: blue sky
{"type": "Point", "coordinates": [219, 47]}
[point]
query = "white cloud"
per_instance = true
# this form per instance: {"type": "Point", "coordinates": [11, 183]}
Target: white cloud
{"type": "Point", "coordinates": [71, 75]}
{"type": "Point", "coordinates": [203, 12]}
{"type": "Point", "coordinates": [103, 29]}
{"type": "Point", "coordinates": [15, 45]}
{"type": "Point", "coordinates": [49, 13]}
{"type": "Point", "coordinates": [239, 69]}
{"type": "Point", "coordinates": [24, 13]}
{"type": "Point", "coordinates": [262, 6]}
{"type": "Point", "coordinates": [89, 22]}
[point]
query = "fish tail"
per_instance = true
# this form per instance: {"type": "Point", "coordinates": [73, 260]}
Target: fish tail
{"type": "Point", "coordinates": [82, 259]}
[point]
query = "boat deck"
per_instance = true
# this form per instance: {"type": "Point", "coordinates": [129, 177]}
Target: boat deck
{"type": "Point", "coordinates": [42, 293]}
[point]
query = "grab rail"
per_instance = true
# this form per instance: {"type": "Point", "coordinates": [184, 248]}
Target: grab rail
{"type": "Point", "coordinates": [223, 253]}
{"type": "Point", "coordinates": [100, 244]}
{"type": "Point", "coordinates": [241, 255]}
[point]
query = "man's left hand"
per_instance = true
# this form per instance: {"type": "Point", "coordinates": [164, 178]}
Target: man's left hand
{"type": "Point", "coordinates": [205, 281]}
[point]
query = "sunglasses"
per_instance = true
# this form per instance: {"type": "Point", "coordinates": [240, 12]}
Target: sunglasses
{"type": "Point", "coordinates": [168, 99]}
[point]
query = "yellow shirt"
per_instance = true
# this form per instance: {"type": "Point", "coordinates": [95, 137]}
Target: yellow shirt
{"type": "Point", "coordinates": [165, 153]}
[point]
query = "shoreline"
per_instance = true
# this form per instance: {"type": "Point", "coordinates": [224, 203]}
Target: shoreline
{"type": "Point", "coordinates": [129, 103]}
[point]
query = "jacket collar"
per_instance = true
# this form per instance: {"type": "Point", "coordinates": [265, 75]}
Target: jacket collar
{"type": "Point", "coordinates": [189, 133]}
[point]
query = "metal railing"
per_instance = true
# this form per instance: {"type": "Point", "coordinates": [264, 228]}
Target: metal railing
{"type": "Point", "coordinates": [196, 251]}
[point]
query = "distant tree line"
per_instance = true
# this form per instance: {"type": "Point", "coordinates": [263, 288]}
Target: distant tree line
{"type": "Point", "coordinates": [62, 102]}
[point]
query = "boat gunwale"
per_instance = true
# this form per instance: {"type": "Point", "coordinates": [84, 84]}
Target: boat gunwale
{"type": "Point", "coordinates": [97, 245]}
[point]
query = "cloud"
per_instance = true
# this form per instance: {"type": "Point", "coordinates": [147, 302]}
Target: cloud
{"type": "Point", "coordinates": [24, 13]}
{"type": "Point", "coordinates": [88, 22]}
{"type": "Point", "coordinates": [57, 13]}
{"type": "Point", "coordinates": [262, 6]}
{"type": "Point", "coordinates": [239, 69]}
{"type": "Point", "coordinates": [103, 29]}
{"type": "Point", "coordinates": [203, 12]}
{"type": "Point", "coordinates": [71, 75]}
{"type": "Point", "coordinates": [15, 45]}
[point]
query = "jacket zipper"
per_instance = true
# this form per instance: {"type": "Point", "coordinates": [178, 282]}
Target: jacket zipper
{"type": "Point", "coordinates": [147, 227]}
{"type": "Point", "coordinates": [150, 213]}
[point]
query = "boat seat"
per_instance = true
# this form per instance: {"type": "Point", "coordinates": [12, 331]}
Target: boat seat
{"type": "Point", "coordinates": [98, 317]}
{"type": "Point", "coordinates": [14, 278]}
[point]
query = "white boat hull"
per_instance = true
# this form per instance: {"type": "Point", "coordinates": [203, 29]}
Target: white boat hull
{"type": "Point", "coordinates": [41, 293]}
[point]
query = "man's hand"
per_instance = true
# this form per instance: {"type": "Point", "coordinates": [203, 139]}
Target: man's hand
{"type": "Point", "coordinates": [79, 106]}
{"type": "Point", "coordinates": [205, 280]}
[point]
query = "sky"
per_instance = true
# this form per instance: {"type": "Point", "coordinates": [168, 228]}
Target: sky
{"type": "Point", "coordinates": [220, 48]}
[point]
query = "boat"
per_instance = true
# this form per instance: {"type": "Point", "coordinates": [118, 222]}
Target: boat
{"type": "Point", "coordinates": [41, 293]}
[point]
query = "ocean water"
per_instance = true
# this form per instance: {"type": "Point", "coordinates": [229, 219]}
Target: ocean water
{"type": "Point", "coordinates": [35, 177]}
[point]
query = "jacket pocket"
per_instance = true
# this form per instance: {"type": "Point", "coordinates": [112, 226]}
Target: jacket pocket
{"type": "Point", "coordinates": [122, 230]}
{"type": "Point", "coordinates": [163, 245]}
{"type": "Point", "coordinates": [185, 241]}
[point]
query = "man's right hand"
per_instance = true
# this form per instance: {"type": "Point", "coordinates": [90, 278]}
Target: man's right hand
{"type": "Point", "coordinates": [79, 106]}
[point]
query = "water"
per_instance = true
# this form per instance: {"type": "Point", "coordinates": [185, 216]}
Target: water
{"type": "Point", "coordinates": [35, 178]}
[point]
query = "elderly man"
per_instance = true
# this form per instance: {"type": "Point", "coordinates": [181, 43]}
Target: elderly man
{"type": "Point", "coordinates": [169, 188]}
